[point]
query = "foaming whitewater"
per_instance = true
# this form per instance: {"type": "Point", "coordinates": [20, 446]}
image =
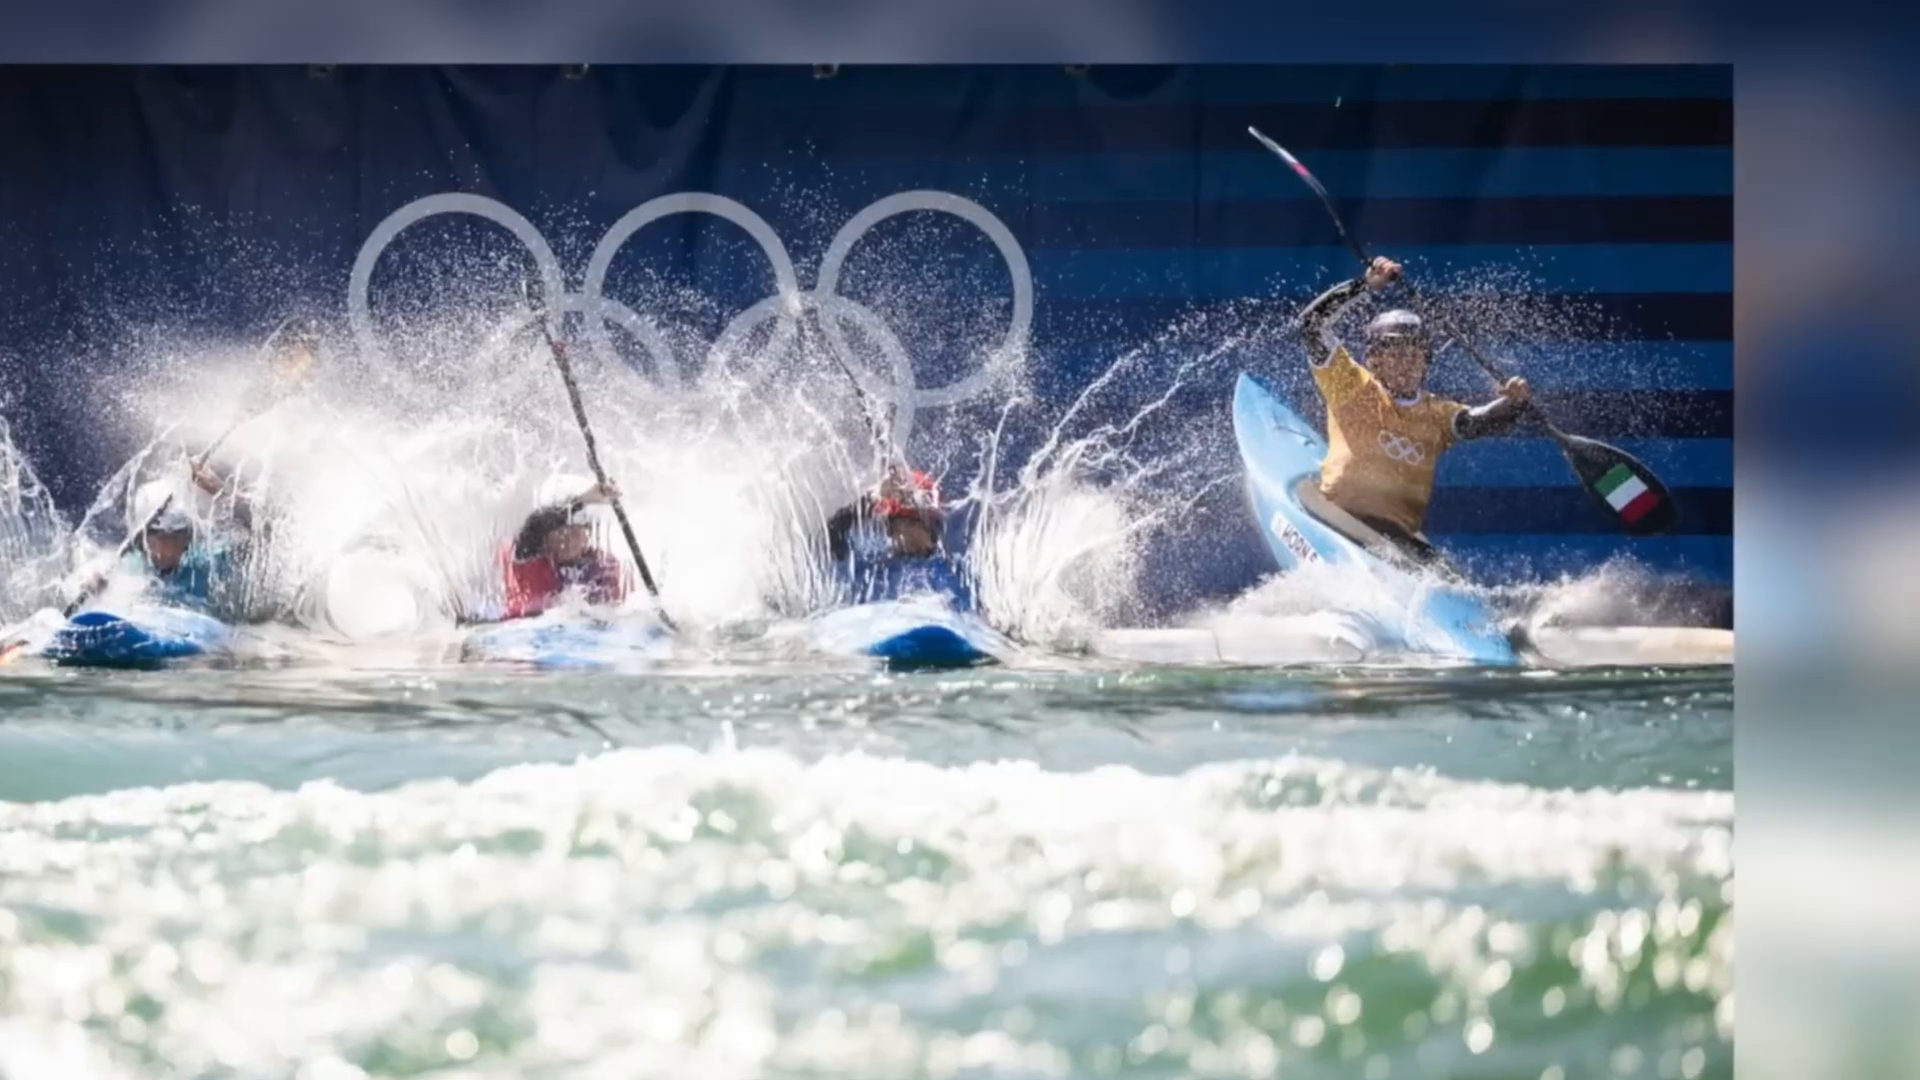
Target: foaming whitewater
{"type": "Point", "coordinates": [1058, 553]}
{"type": "Point", "coordinates": [741, 913]}
{"type": "Point", "coordinates": [33, 536]}
{"type": "Point", "coordinates": [1618, 592]}
{"type": "Point", "coordinates": [1354, 598]}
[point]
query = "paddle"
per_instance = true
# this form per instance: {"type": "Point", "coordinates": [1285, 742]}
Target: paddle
{"type": "Point", "coordinates": [289, 353]}
{"type": "Point", "coordinates": [1629, 491]}
{"type": "Point", "coordinates": [881, 437]}
{"type": "Point", "coordinates": [896, 459]}
{"type": "Point", "coordinates": [540, 318]}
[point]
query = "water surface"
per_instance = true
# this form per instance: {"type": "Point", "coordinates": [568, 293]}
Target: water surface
{"type": "Point", "coordinates": [848, 874]}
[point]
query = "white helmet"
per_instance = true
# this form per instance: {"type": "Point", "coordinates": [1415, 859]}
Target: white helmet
{"type": "Point", "coordinates": [163, 498]}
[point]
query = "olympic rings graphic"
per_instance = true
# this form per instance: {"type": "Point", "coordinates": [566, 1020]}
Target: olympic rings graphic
{"type": "Point", "coordinates": [1401, 449]}
{"type": "Point", "coordinates": [784, 306]}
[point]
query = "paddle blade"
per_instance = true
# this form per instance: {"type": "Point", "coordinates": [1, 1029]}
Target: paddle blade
{"type": "Point", "coordinates": [1629, 491]}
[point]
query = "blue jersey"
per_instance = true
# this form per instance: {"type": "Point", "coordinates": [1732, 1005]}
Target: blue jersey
{"type": "Point", "coordinates": [892, 578]}
{"type": "Point", "coordinates": [191, 583]}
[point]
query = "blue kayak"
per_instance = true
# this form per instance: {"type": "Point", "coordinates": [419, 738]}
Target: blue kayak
{"type": "Point", "coordinates": [911, 614]}
{"type": "Point", "coordinates": [143, 638]}
{"type": "Point", "coordinates": [1279, 451]}
{"type": "Point", "coordinates": [914, 634]}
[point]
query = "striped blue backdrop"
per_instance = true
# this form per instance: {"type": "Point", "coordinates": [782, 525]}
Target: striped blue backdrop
{"type": "Point", "coordinates": [214, 199]}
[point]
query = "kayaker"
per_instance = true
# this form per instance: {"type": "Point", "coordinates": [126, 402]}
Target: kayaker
{"type": "Point", "coordinates": [182, 561]}
{"type": "Point", "coordinates": [554, 553]}
{"type": "Point", "coordinates": [1385, 433]}
{"type": "Point", "coordinates": [902, 519]}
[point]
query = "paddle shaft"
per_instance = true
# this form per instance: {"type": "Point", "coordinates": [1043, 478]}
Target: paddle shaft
{"type": "Point", "coordinates": [882, 438]}
{"type": "Point", "coordinates": [565, 365]}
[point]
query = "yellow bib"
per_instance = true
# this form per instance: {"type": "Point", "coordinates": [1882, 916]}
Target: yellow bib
{"type": "Point", "coordinates": [1381, 453]}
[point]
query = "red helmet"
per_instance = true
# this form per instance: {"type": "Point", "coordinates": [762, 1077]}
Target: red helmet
{"type": "Point", "coordinates": [914, 495]}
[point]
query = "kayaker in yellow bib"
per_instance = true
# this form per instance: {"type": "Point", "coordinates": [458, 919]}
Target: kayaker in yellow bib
{"type": "Point", "coordinates": [1385, 433]}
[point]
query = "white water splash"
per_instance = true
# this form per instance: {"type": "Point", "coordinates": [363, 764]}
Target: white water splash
{"type": "Point", "coordinates": [1058, 554]}
{"type": "Point", "coordinates": [33, 536]}
{"type": "Point", "coordinates": [391, 487]}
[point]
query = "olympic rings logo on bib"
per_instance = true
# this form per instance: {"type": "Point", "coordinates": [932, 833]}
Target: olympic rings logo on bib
{"type": "Point", "coordinates": [1401, 449]}
{"type": "Point", "coordinates": [784, 306]}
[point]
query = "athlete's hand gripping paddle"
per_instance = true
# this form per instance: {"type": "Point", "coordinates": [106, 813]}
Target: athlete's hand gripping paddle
{"type": "Point", "coordinates": [1629, 490]}
{"type": "Point", "coordinates": [541, 318]}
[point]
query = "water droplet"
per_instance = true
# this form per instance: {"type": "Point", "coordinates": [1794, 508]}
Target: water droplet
{"type": "Point", "coordinates": [1261, 1058]}
{"type": "Point", "coordinates": [1152, 1041]}
{"type": "Point", "coordinates": [462, 1045]}
{"type": "Point", "coordinates": [1328, 962]}
{"type": "Point", "coordinates": [1343, 1005]}
{"type": "Point", "coordinates": [1552, 1002]}
{"type": "Point", "coordinates": [1479, 1035]}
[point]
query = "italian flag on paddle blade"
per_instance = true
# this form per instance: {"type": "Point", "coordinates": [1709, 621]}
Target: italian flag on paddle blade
{"type": "Point", "coordinates": [1626, 493]}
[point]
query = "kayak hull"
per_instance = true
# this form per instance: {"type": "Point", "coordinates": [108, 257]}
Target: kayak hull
{"type": "Point", "coordinates": [1278, 450]}
{"type": "Point", "coordinates": [140, 640]}
{"type": "Point", "coordinates": [560, 641]}
{"type": "Point", "coordinates": [917, 634]}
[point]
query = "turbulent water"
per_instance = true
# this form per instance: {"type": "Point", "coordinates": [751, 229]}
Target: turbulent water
{"type": "Point", "coordinates": [220, 874]}
{"type": "Point", "coordinates": [366, 862]}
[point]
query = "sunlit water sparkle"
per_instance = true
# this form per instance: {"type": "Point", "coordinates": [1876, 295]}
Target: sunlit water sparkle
{"type": "Point", "coordinates": [989, 874]}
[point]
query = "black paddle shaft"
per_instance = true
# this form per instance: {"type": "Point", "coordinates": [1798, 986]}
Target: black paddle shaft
{"type": "Point", "coordinates": [565, 365]}
{"type": "Point", "coordinates": [882, 435]}
{"type": "Point", "coordinates": [593, 455]}
{"type": "Point", "coordinates": [1601, 468]}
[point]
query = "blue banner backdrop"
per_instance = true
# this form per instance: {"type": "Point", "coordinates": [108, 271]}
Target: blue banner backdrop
{"type": "Point", "coordinates": [214, 201]}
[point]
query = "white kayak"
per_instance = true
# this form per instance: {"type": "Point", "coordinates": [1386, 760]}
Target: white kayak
{"type": "Point", "coordinates": [572, 639]}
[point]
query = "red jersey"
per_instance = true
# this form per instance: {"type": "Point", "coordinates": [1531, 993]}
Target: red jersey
{"type": "Point", "coordinates": [535, 584]}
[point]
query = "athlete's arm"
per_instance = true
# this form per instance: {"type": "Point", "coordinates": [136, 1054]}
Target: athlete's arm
{"type": "Point", "coordinates": [211, 482]}
{"type": "Point", "coordinates": [1496, 417]}
{"type": "Point", "coordinates": [1318, 317]}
